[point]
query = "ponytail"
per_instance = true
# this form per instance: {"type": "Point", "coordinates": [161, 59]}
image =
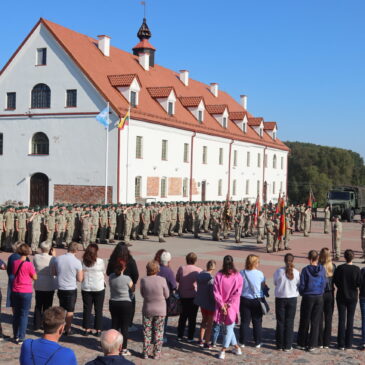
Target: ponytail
{"type": "Point", "coordinates": [289, 266]}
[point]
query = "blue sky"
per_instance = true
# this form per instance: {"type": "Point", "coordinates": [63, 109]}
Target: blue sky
{"type": "Point", "coordinates": [301, 62]}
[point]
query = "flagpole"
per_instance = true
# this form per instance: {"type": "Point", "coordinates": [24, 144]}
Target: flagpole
{"type": "Point", "coordinates": [106, 160]}
{"type": "Point", "coordinates": [127, 167]}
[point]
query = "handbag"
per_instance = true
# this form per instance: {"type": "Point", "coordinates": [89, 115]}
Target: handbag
{"type": "Point", "coordinates": [265, 309]}
{"type": "Point", "coordinates": [173, 305]}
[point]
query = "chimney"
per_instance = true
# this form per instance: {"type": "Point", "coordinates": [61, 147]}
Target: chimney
{"type": "Point", "coordinates": [144, 60]}
{"type": "Point", "coordinates": [104, 44]}
{"type": "Point", "coordinates": [244, 101]}
{"type": "Point", "coordinates": [214, 89]}
{"type": "Point", "coordinates": [184, 77]}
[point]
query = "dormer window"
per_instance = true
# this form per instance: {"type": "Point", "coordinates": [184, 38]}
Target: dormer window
{"type": "Point", "coordinates": [195, 104]}
{"type": "Point", "coordinates": [133, 99]}
{"type": "Point", "coordinates": [224, 122]}
{"type": "Point", "coordinates": [170, 108]}
{"type": "Point", "coordinates": [128, 85]}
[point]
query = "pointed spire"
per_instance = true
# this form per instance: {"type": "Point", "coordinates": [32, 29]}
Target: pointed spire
{"type": "Point", "coordinates": [144, 32]}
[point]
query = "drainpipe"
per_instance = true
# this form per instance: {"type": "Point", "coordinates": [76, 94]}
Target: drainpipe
{"type": "Point", "coordinates": [191, 166]}
{"type": "Point", "coordinates": [229, 170]}
{"type": "Point", "coordinates": [264, 161]}
{"type": "Point", "coordinates": [287, 177]}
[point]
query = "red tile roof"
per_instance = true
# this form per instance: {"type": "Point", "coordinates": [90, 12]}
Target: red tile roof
{"type": "Point", "coordinates": [255, 122]}
{"type": "Point", "coordinates": [160, 92]}
{"type": "Point", "coordinates": [237, 115]}
{"type": "Point", "coordinates": [216, 109]}
{"type": "Point", "coordinates": [190, 101]}
{"type": "Point", "coordinates": [144, 44]}
{"type": "Point", "coordinates": [270, 125]}
{"type": "Point", "coordinates": [96, 67]}
{"type": "Point", "coordinates": [122, 80]}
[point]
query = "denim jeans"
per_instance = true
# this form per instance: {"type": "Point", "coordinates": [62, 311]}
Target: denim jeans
{"type": "Point", "coordinates": [229, 337]}
{"type": "Point", "coordinates": [21, 302]}
{"type": "Point", "coordinates": [362, 307]}
{"type": "Point", "coordinates": [216, 331]}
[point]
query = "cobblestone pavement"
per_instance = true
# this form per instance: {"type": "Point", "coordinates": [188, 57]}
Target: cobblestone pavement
{"type": "Point", "coordinates": [86, 348]}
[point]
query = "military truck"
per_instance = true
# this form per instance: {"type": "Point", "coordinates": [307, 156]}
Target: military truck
{"type": "Point", "coordinates": [347, 201]}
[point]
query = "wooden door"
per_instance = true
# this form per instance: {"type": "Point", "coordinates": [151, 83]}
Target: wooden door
{"type": "Point", "coordinates": [39, 190]}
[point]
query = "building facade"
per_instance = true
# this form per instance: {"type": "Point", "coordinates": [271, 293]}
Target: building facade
{"type": "Point", "coordinates": [184, 140]}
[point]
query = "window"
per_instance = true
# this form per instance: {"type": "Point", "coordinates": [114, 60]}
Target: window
{"type": "Point", "coordinates": [200, 116]}
{"type": "Point", "coordinates": [235, 158]}
{"type": "Point", "coordinates": [258, 187]}
{"type": "Point", "coordinates": [273, 135]}
{"type": "Point", "coordinates": [265, 161]}
{"type": "Point", "coordinates": [40, 144]}
{"type": "Point", "coordinates": [273, 187]}
{"type": "Point", "coordinates": [170, 108]}
{"type": "Point", "coordinates": [274, 162]}
{"type": "Point", "coordinates": [163, 187]}
{"type": "Point", "coordinates": [261, 132]}
{"type": "Point", "coordinates": [139, 150]}
{"type": "Point", "coordinates": [138, 187]}
{"type": "Point", "coordinates": [259, 160]}
{"type": "Point", "coordinates": [41, 56]}
{"type": "Point", "coordinates": [1, 143]}
{"type": "Point", "coordinates": [244, 127]}
{"type": "Point", "coordinates": [220, 187]}
{"type": "Point", "coordinates": [41, 96]}
{"type": "Point", "coordinates": [185, 187]}
{"type": "Point", "coordinates": [71, 98]}
{"type": "Point", "coordinates": [205, 154]}
{"type": "Point", "coordinates": [186, 152]}
{"type": "Point", "coordinates": [221, 156]}
{"type": "Point", "coordinates": [164, 150]}
{"type": "Point", "coordinates": [234, 187]}
{"type": "Point", "coordinates": [247, 187]}
{"type": "Point", "coordinates": [224, 123]}
{"type": "Point", "coordinates": [282, 163]}
{"type": "Point", "coordinates": [133, 101]}
{"type": "Point", "coordinates": [11, 101]}
{"type": "Point", "coordinates": [248, 158]}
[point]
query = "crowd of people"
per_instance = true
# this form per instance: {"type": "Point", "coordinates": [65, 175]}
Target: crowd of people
{"type": "Point", "coordinates": [225, 295]}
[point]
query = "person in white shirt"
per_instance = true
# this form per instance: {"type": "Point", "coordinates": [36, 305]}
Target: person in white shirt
{"type": "Point", "coordinates": [46, 284]}
{"type": "Point", "coordinates": [93, 289]}
{"type": "Point", "coordinates": [286, 281]}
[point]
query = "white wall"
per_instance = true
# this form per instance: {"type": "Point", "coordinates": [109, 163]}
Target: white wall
{"type": "Point", "coordinates": [77, 143]}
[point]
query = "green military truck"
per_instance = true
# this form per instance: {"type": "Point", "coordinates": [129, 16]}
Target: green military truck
{"type": "Point", "coordinates": [347, 201]}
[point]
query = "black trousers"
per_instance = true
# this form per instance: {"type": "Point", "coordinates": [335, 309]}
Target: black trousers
{"type": "Point", "coordinates": [121, 312]}
{"type": "Point", "coordinates": [250, 311]}
{"type": "Point", "coordinates": [90, 299]}
{"type": "Point", "coordinates": [189, 311]}
{"type": "Point", "coordinates": [285, 309]}
{"type": "Point", "coordinates": [43, 301]}
{"type": "Point", "coordinates": [310, 314]}
{"type": "Point", "coordinates": [325, 323]}
{"type": "Point", "coordinates": [346, 313]}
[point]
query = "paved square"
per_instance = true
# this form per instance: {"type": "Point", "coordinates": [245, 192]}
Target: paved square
{"type": "Point", "coordinates": [87, 348]}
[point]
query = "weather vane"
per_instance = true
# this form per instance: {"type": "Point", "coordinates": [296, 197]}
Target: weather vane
{"type": "Point", "coordinates": [143, 3]}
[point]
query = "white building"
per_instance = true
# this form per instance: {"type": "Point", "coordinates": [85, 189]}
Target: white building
{"type": "Point", "coordinates": [185, 140]}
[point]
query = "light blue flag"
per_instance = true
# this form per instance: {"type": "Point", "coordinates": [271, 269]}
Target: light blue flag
{"type": "Point", "coordinates": [103, 117]}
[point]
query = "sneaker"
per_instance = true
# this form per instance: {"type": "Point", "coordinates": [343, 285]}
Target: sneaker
{"type": "Point", "coordinates": [258, 346]}
{"type": "Point", "coordinates": [321, 347]}
{"type": "Point", "coordinates": [19, 342]}
{"type": "Point", "coordinates": [206, 346]}
{"type": "Point", "coordinates": [190, 340]}
{"type": "Point", "coordinates": [237, 351]}
{"type": "Point", "coordinates": [201, 343]}
{"type": "Point", "coordinates": [311, 349]}
{"type": "Point", "coordinates": [241, 345]}
{"type": "Point", "coordinates": [288, 350]}
{"type": "Point", "coordinates": [222, 355]}
{"type": "Point", "coordinates": [214, 345]}
{"type": "Point", "coordinates": [341, 348]}
{"type": "Point", "coordinates": [300, 347]}
{"type": "Point", "coordinates": [326, 347]}
{"type": "Point", "coordinates": [126, 352]}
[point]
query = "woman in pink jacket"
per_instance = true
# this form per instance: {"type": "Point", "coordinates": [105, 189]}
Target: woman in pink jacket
{"type": "Point", "coordinates": [227, 291]}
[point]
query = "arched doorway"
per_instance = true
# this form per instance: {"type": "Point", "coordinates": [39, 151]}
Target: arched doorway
{"type": "Point", "coordinates": [39, 190]}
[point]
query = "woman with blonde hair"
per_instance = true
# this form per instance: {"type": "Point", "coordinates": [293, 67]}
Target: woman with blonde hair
{"type": "Point", "coordinates": [250, 307]}
{"type": "Point", "coordinates": [325, 324]}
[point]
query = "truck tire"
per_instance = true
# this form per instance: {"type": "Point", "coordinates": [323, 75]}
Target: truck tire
{"type": "Point", "coordinates": [349, 215]}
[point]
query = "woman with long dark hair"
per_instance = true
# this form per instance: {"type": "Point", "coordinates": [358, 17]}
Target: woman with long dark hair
{"type": "Point", "coordinates": [325, 323]}
{"type": "Point", "coordinates": [286, 281]}
{"type": "Point", "coordinates": [122, 254]}
{"type": "Point", "coordinates": [227, 289]}
{"type": "Point", "coordinates": [93, 289]}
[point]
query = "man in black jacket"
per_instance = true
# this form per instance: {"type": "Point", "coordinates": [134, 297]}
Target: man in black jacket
{"type": "Point", "coordinates": [111, 343]}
